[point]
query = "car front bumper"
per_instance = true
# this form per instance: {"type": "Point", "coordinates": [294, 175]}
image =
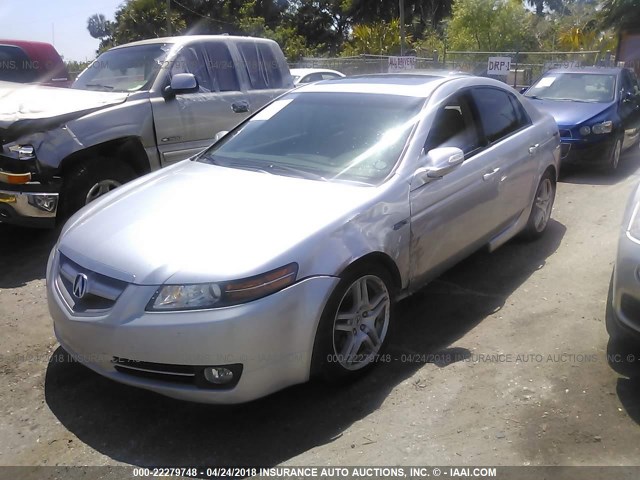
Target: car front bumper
{"type": "Point", "coordinates": [579, 150]}
{"type": "Point", "coordinates": [271, 338]}
{"type": "Point", "coordinates": [31, 204]}
{"type": "Point", "coordinates": [625, 293]}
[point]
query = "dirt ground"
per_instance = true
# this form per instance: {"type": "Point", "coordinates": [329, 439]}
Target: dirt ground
{"type": "Point", "coordinates": [502, 361]}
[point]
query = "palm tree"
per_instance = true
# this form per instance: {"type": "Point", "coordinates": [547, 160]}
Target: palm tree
{"type": "Point", "coordinates": [98, 26]}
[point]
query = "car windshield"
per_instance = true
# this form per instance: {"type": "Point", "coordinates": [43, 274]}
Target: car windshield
{"type": "Point", "coordinates": [124, 69]}
{"type": "Point", "coordinates": [324, 136]}
{"type": "Point", "coordinates": [580, 87]}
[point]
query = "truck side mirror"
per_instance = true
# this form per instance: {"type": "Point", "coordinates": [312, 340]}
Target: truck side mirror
{"type": "Point", "coordinates": [181, 83]}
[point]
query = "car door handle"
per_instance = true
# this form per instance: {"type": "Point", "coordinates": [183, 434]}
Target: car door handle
{"type": "Point", "coordinates": [533, 149]}
{"type": "Point", "coordinates": [241, 106]}
{"type": "Point", "coordinates": [488, 175]}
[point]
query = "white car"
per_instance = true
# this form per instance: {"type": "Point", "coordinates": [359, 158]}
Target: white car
{"type": "Point", "coordinates": [310, 75]}
{"type": "Point", "coordinates": [278, 252]}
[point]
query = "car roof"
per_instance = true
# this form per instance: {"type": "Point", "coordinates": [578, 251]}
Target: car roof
{"type": "Point", "coordinates": [305, 71]}
{"type": "Point", "coordinates": [184, 39]}
{"type": "Point", "coordinates": [588, 70]}
{"type": "Point", "coordinates": [413, 85]}
{"type": "Point", "coordinates": [43, 52]}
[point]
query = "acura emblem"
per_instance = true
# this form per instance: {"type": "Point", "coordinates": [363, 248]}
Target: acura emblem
{"type": "Point", "coordinates": [80, 285]}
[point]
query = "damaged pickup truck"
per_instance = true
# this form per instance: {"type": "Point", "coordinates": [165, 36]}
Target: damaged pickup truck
{"type": "Point", "coordinates": [136, 108]}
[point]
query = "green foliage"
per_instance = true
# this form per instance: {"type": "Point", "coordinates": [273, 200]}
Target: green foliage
{"type": "Point", "coordinates": [142, 19]}
{"type": "Point", "coordinates": [620, 14]}
{"type": "Point", "coordinates": [379, 38]}
{"type": "Point", "coordinates": [490, 25]}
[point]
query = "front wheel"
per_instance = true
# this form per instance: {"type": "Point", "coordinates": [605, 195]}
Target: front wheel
{"type": "Point", "coordinates": [355, 325]}
{"type": "Point", "coordinates": [91, 179]}
{"type": "Point", "coordinates": [614, 156]}
{"type": "Point", "coordinates": [541, 208]}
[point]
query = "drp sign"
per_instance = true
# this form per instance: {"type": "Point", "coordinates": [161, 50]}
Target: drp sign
{"type": "Point", "coordinates": [498, 65]}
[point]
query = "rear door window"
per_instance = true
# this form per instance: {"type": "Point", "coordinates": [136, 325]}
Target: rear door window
{"type": "Point", "coordinates": [221, 67]}
{"type": "Point", "coordinates": [500, 115]}
{"type": "Point", "coordinates": [261, 65]}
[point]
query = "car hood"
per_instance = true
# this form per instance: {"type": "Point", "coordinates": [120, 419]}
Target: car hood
{"type": "Point", "coordinates": [567, 113]}
{"type": "Point", "coordinates": [195, 222]}
{"type": "Point", "coordinates": [29, 108]}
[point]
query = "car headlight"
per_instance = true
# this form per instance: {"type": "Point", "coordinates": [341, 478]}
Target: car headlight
{"type": "Point", "coordinates": [633, 229]}
{"type": "Point", "coordinates": [223, 294]}
{"type": "Point", "coordinates": [604, 127]}
{"type": "Point", "coordinates": [586, 130]}
{"type": "Point", "coordinates": [25, 152]}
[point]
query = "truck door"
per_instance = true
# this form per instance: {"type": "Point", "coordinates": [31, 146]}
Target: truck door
{"type": "Point", "coordinates": [187, 123]}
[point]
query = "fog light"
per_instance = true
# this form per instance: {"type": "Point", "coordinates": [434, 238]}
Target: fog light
{"type": "Point", "coordinates": [48, 203]}
{"type": "Point", "coordinates": [218, 375]}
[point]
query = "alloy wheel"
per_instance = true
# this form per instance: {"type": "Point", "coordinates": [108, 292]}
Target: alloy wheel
{"type": "Point", "coordinates": [361, 322]}
{"type": "Point", "coordinates": [543, 204]}
{"type": "Point", "coordinates": [101, 188]}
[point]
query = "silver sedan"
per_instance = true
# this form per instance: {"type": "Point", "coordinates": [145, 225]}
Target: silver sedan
{"type": "Point", "coordinates": [623, 304]}
{"type": "Point", "coordinates": [278, 253]}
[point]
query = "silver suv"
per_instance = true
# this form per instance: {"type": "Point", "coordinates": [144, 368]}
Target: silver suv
{"type": "Point", "coordinates": [136, 108]}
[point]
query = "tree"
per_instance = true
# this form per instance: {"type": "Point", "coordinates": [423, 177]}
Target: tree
{"type": "Point", "coordinates": [99, 27]}
{"type": "Point", "coordinates": [539, 5]}
{"type": "Point", "coordinates": [621, 14]}
{"type": "Point", "coordinates": [379, 38]}
{"type": "Point", "coordinates": [490, 25]}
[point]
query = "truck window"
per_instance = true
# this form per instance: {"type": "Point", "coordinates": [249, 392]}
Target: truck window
{"type": "Point", "coordinates": [15, 65]}
{"type": "Point", "coordinates": [191, 60]}
{"type": "Point", "coordinates": [221, 67]}
{"type": "Point", "coordinates": [261, 65]}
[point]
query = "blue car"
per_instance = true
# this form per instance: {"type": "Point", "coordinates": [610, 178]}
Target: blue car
{"type": "Point", "coordinates": [597, 111]}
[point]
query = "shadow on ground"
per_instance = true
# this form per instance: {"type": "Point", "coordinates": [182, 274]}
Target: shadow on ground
{"type": "Point", "coordinates": [24, 253]}
{"type": "Point", "coordinates": [142, 428]}
{"type": "Point", "coordinates": [596, 175]}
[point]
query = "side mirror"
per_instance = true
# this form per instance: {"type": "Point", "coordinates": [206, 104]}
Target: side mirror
{"type": "Point", "coordinates": [627, 97]}
{"type": "Point", "coordinates": [524, 89]}
{"type": "Point", "coordinates": [181, 83]}
{"type": "Point", "coordinates": [438, 162]}
{"type": "Point", "coordinates": [219, 135]}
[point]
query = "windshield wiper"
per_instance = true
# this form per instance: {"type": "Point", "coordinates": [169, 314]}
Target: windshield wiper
{"type": "Point", "coordinates": [297, 172]}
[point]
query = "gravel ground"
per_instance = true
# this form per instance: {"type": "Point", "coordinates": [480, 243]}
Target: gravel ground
{"type": "Point", "coordinates": [502, 361]}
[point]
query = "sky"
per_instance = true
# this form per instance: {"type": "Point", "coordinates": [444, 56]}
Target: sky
{"type": "Point", "coordinates": [62, 23]}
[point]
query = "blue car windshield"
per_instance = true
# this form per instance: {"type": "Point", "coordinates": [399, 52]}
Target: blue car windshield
{"type": "Point", "coordinates": [579, 87]}
{"type": "Point", "coordinates": [324, 136]}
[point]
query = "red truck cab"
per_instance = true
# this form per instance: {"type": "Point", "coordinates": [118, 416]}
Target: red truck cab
{"type": "Point", "coordinates": [25, 61]}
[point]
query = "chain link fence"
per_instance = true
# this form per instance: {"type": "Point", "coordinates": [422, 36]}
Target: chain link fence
{"type": "Point", "coordinates": [526, 67]}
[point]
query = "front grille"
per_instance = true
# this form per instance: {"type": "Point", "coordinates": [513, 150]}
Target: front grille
{"type": "Point", "coordinates": [102, 291]}
{"type": "Point", "coordinates": [565, 133]}
{"type": "Point", "coordinates": [564, 149]}
{"type": "Point", "coordinates": [182, 374]}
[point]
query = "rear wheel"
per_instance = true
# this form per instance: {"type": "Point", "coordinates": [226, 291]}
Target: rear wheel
{"type": "Point", "coordinates": [89, 180]}
{"type": "Point", "coordinates": [355, 325]}
{"type": "Point", "coordinates": [541, 208]}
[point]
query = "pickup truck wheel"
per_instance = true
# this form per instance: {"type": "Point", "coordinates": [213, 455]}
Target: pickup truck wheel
{"type": "Point", "coordinates": [541, 208]}
{"type": "Point", "coordinates": [90, 180]}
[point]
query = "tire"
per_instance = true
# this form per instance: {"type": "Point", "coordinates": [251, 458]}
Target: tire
{"type": "Point", "coordinates": [541, 208]}
{"type": "Point", "coordinates": [346, 347]}
{"type": "Point", "coordinates": [614, 156]}
{"type": "Point", "coordinates": [91, 179]}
